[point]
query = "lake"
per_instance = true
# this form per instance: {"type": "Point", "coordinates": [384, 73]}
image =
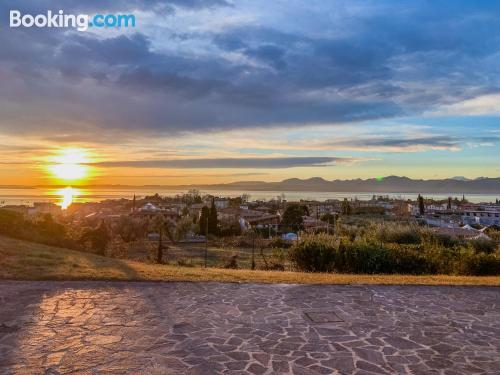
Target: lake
{"type": "Point", "coordinates": [28, 196]}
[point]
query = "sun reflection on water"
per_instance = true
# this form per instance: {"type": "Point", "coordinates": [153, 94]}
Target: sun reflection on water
{"type": "Point", "coordinates": [68, 196]}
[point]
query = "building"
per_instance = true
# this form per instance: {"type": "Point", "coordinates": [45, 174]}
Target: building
{"type": "Point", "coordinates": [149, 210]}
{"type": "Point", "coordinates": [221, 204]}
{"type": "Point", "coordinates": [464, 233]}
{"type": "Point", "coordinates": [485, 218]}
{"type": "Point", "coordinates": [311, 224]}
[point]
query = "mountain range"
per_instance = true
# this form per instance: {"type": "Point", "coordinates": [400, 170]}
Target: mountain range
{"type": "Point", "coordinates": [390, 184]}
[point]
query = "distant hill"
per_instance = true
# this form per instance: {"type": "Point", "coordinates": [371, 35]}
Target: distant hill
{"type": "Point", "coordinates": [390, 184]}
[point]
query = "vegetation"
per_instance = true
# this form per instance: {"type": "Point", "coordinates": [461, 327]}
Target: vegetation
{"type": "Point", "coordinates": [363, 244]}
{"type": "Point", "coordinates": [29, 261]}
{"type": "Point", "coordinates": [346, 207]}
{"type": "Point", "coordinates": [421, 205]}
{"type": "Point", "coordinates": [293, 217]}
{"type": "Point", "coordinates": [42, 229]}
{"type": "Point", "coordinates": [208, 222]}
{"type": "Point", "coordinates": [394, 249]}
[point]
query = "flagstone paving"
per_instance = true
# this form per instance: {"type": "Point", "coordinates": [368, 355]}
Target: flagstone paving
{"type": "Point", "coordinates": [216, 328]}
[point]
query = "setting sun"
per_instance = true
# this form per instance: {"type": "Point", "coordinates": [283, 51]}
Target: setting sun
{"type": "Point", "coordinates": [69, 164]}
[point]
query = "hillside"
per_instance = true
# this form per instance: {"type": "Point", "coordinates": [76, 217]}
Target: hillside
{"type": "Point", "coordinates": [23, 260]}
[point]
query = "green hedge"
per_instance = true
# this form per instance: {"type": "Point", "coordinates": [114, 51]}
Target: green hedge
{"type": "Point", "coordinates": [325, 253]}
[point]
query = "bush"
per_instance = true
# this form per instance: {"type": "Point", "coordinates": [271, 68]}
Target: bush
{"type": "Point", "coordinates": [396, 248]}
{"type": "Point", "coordinates": [314, 253]}
{"type": "Point", "coordinates": [232, 262]}
{"type": "Point", "coordinates": [483, 245]}
{"type": "Point", "coordinates": [399, 234]}
{"type": "Point", "coordinates": [481, 265]}
{"type": "Point", "coordinates": [185, 263]}
{"type": "Point", "coordinates": [276, 261]}
{"type": "Point", "coordinates": [444, 240]}
{"type": "Point", "coordinates": [278, 242]}
{"type": "Point", "coordinates": [42, 229]}
{"type": "Point", "coordinates": [411, 261]}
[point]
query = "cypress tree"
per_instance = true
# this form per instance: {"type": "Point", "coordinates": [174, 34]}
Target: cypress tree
{"type": "Point", "coordinates": [203, 220]}
{"type": "Point", "coordinates": [421, 205]}
{"type": "Point", "coordinates": [212, 220]}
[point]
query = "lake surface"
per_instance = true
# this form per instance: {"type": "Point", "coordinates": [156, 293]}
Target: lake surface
{"type": "Point", "coordinates": [31, 195]}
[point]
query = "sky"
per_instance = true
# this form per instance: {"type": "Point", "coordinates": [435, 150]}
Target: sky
{"type": "Point", "coordinates": [214, 91]}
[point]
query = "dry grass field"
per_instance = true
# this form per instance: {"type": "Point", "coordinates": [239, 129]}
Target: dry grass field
{"type": "Point", "coordinates": [21, 260]}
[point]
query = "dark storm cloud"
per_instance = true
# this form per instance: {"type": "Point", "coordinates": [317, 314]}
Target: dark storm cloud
{"type": "Point", "coordinates": [430, 141]}
{"type": "Point", "coordinates": [265, 163]}
{"type": "Point", "coordinates": [407, 143]}
{"type": "Point", "coordinates": [412, 59]}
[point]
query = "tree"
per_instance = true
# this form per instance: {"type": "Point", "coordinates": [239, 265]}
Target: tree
{"type": "Point", "coordinates": [293, 217]}
{"type": "Point", "coordinates": [131, 229]}
{"type": "Point", "coordinates": [194, 196]}
{"type": "Point", "coordinates": [183, 227]}
{"type": "Point", "coordinates": [203, 222]}
{"type": "Point", "coordinates": [328, 218]}
{"type": "Point", "coordinates": [421, 205]}
{"type": "Point", "coordinates": [346, 207]}
{"type": "Point", "coordinates": [49, 228]}
{"type": "Point", "coordinates": [229, 227]}
{"type": "Point", "coordinates": [98, 238]}
{"type": "Point", "coordinates": [212, 219]}
{"type": "Point", "coordinates": [162, 225]}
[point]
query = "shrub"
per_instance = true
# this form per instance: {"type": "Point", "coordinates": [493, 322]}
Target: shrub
{"type": "Point", "coordinates": [185, 263]}
{"type": "Point", "coordinates": [483, 245]}
{"type": "Point", "coordinates": [399, 234]}
{"type": "Point", "coordinates": [278, 242]}
{"type": "Point", "coordinates": [359, 257]}
{"type": "Point", "coordinates": [314, 253]}
{"type": "Point", "coordinates": [444, 240]}
{"type": "Point", "coordinates": [232, 262]}
{"type": "Point", "coordinates": [277, 260]}
{"type": "Point", "coordinates": [480, 265]}
{"type": "Point", "coordinates": [411, 261]}
{"type": "Point", "coordinates": [394, 248]}
{"type": "Point", "coordinates": [41, 229]}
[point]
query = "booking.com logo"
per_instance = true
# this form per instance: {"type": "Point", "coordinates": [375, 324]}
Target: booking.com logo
{"type": "Point", "coordinates": [79, 21]}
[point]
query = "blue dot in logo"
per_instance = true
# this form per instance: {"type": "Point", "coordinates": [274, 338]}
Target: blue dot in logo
{"type": "Point", "coordinates": [91, 24]}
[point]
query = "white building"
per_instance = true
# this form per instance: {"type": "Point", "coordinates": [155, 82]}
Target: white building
{"type": "Point", "coordinates": [481, 217]}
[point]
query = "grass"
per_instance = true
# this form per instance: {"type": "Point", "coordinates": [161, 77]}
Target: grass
{"type": "Point", "coordinates": [21, 260]}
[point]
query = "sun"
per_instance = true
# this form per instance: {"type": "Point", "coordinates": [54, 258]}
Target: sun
{"type": "Point", "coordinates": [70, 164]}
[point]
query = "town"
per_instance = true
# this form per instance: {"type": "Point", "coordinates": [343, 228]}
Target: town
{"type": "Point", "coordinates": [237, 215]}
{"type": "Point", "coordinates": [196, 229]}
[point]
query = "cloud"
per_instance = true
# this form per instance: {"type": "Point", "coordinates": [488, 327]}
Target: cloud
{"type": "Point", "coordinates": [398, 144]}
{"type": "Point", "coordinates": [257, 163]}
{"type": "Point", "coordinates": [276, 70]}
{"type": "Point", "coordinates": [191, 176]}
{"type": "Point", "coordinates": [484, 105]}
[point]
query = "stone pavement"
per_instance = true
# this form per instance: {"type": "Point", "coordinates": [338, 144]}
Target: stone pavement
{"type": "Point", "coordinates": [216, 328]}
